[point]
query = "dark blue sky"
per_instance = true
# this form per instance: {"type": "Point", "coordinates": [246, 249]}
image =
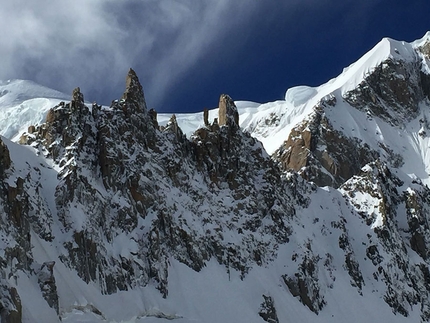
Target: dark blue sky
{"type": "Point", "coordinates": [188, 52]}
{"type": "Point", "coordinates": [309, 48]}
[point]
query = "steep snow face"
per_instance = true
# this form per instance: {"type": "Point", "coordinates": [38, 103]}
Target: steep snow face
{"type": "Point", "coordinates": [14, 92]}
{"type": "Point", "coordinates": [24, 103]}
{"type": "Point", "coordinates": [356, 72]}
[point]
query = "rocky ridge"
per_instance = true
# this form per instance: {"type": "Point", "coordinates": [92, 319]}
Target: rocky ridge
{"type": "Point", "coordinates": [131, 199]}
{"type": "Point", "coordinates": [149, 186]}
{"type": "Point", "coordinates": [392, 92]}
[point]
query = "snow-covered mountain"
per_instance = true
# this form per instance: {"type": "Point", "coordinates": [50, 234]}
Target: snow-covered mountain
{"type": "Point", "coordinates": [25, 103]}
{"type": "Point", "coordinates": [311, 209]}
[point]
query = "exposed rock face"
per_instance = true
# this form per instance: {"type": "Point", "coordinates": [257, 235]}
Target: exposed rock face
{"type": "Point", "coordinates": [216, 199]}
{"type": "Point", "coordinates": [139, 165]}
{"type": "Point", "coordinates": [153, 115]}
{"type": "Point", "coordinates": [394, 84]}
{"type": "Point", "coordinates": [416, 202]}
{"type": "Point", "coordinates": [13, 315]}
{"type": "Point", "coordinates": [5, 161]}
{"type": "Point", "coordinates": [77, 99]}
{"type": "Point", "coordinates": [47, 284]}
{"type": "Point", "coordinates": [134, 99]}
{"type": "Point", "coordinates": [268, 310]}
{"type": "Point", "coordinates": [206, 117]}
{"type": "Point", "coordinates": [320, 153]}
{"type": "Point", "coordinates": [227, 112]}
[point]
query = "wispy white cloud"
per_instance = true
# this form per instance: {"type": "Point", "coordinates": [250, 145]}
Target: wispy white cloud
{"type": "Point", "coordinates": [92, 44]}
{"type": "Point", "coordinates": [58, 43]}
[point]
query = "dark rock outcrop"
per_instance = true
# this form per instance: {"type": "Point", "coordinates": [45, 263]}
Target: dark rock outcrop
{"type": "Point", "coordinates": [321, 154]}
{"type": "Point", "coordinates": [305, 283]}
{"type": "Point", "coordinates": [47, 284]}
{"type": "Point", "coordinates": [13, 314]}
{"type": "Point", "coordinates": [5, 161]}
{"type": "Point", "coordinates": [227, 112]}
{"type": "Point", "coordinates": [392, 91]}
{"type": "Point", "coordinates": [138, 164]}
{"type": "Point", "coordinates": [268, 310]}
{"type": "Point", "coordinates": [206, 117]}
{"type": "Point", "coordinates": [133, 97]}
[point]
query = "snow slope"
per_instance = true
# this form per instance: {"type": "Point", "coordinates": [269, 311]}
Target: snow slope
{"type": "Point", "coordinates": [216, 293]}
{"type": "Point", "coordinates": [24, 103]}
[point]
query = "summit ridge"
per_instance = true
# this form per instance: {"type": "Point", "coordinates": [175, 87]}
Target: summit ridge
{"type": "Point", "coordinates": [314, 208]}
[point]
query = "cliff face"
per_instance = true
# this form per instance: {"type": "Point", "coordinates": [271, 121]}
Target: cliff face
{"type": "Point", "coordinates": [119, 175]}
{"type": "Point", "coordinates": [101, 206]}
{"type": "Point", "coordinates": [390, 91]}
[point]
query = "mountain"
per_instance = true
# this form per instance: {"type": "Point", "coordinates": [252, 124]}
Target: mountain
{"type": "Point", "coordinates": [311, 209]}
{"type": "Point", "coordinates": [24, 103]}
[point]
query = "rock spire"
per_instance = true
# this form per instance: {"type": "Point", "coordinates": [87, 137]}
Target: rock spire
{"type": "Point", "coordinates": [227, 111]}
{"type": "Point", "coordinates": [133, 94]}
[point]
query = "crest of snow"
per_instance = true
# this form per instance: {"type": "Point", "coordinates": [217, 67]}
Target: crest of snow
{"type": "Point", "coordinates": [420, 42]}
{"type": "Point", "coordinates": [24, 103]}
{"type": "Point", "coordinates": [356, 72]}
{"type": "Point", "coordinates": [299, 94]}
{"type": "Point", "coordinates": [271, 123]}
{"type": "Point", "coordinates": [14, 92]}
